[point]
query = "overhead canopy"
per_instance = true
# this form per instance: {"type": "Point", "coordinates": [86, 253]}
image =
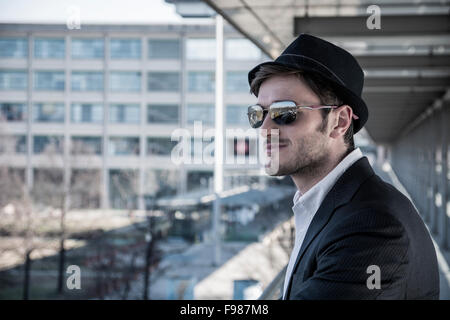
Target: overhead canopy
{"type": "Point", "coordinates": [406, 62]}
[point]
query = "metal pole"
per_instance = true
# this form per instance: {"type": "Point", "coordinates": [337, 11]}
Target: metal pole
{"type": "Point", "coordinates": [444, 179]}
{"type": "Point", "coordinates": [218, 140]}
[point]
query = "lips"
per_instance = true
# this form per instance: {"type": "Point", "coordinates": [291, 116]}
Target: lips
{"type": "Point", "coordinates": [273, 147]}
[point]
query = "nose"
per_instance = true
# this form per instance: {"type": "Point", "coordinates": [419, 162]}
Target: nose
{"type": "Point", "coordinates": [267, 126]}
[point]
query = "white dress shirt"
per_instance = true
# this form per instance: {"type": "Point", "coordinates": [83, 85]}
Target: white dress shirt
{"type": "Point", "coordinates": [307, 204]}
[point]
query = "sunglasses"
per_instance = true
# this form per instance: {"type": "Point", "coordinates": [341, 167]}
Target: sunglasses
{"type": "Point", "coordinates": [281, 112]}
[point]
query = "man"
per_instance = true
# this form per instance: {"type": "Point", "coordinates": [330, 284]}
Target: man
{"type": "Point", "coordinates": [357, 237]}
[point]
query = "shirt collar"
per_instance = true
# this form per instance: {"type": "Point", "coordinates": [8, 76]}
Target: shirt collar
{"type": "Point", "coordinates": [306, 205]}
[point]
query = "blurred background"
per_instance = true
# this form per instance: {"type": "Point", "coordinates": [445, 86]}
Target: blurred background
{"type": "Point", "coordinates": [92, 91]}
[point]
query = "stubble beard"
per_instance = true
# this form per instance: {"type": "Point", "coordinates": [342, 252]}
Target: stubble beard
{"type": "Point", "coordinates": [310, 156]}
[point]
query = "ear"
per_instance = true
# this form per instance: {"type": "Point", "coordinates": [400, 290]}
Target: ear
{"type": "Point", "coordinates": [342, 120]}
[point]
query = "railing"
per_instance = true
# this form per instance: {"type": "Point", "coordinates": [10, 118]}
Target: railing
{"type": "Point", "coordinates": [275, 288]}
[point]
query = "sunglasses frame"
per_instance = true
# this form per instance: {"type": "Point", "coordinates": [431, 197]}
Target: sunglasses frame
{"type": "Point", "coordinates": [274, 114]}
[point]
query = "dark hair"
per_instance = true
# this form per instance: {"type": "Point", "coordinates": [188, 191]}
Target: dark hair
{"type": "Point", "coordinates": [318, 85]}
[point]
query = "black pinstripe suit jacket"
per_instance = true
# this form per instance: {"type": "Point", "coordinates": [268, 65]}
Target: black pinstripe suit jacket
{"type": "Point", "coordinates": [362, 222]}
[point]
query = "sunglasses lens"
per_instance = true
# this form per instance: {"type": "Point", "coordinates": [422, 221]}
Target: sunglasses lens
{"type": "Point", "coordinates": [284, 115]}
{"type": "Point", "coordinates": [255, 116]}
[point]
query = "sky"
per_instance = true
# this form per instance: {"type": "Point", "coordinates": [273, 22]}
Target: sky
{"type": "Point", "coordinates": [91, 11]}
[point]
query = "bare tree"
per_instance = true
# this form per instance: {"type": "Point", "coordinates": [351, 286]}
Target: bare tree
{"type": "Point", "coordinates": [148, 230]}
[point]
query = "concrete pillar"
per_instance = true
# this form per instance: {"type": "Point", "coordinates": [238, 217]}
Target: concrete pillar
{"type": "Point", "coordinates": [105, 172]}
{"type": "Point", "coordinates": [29, 168]}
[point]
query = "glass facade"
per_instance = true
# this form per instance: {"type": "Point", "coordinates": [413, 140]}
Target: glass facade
{"type": "Point", "coordinates": [87, 112]}
{"type": "Point", "coordinates": [161, 183]}
{"type": "Point", "coordinates": [88, 48]}
{"type": "Point", "coordinates": [237, 81]}
{"type": "Point", "coordinates": [201, 81]}
{"type": "Point", "coordinates": [125, 48]}
{"type": "Point", "coordinates": [201, 49]}
{"type": "Point", "coordinates": [87, 81]}
{"type": "Point", "coordinates": [48, 144]}
{"type": "Point", "coordinates": [49, 80]}
{"type": "Point", "coordinates": [13, 144]}
{"type": "Point", "coordinates": [199, 180]}
{"type": "Point", "coordinates": [199, 147]}
{"type": "Point", "coordinates": [163, 49]}
{"type": "Point", "coordinates": [101, 95]}
{"type": "Point", "coordinates": [86, 145]}
{"type": "Point", "coordinates": [237, 115]}
{"type": "Point", "coordinates": [161, 146]}
{"type": "Point", "coordinates": [13, 80]}
{"type": "Point", "coordinates": [163, 113]}
{"type": "Point", "coordinates": [85, 186]}
{"type": "Point", "coordinates": [124, 113]}
{"type": "Point", "coordinates": [48, 112]}
{"type": "Point", "coordinates": [163, 81]}
{"type": "Point", "coordinates": [49, 48]}
{"type": "Point", "coordinates": [200, 112]}
{"type": "Point", "coordinates": [125, 81]}
{"type": "Point", "coordinates": [13, 111]}
{"type": "Point", "coordinates": [123, 146]}
{"type": "Point", "coordinates": [13, 48]}
{"type": "Point", "coordinates": [123, 189]}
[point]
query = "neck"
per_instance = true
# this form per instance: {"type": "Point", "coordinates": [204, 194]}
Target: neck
{"type": "Point", "coordinates": [306, 179]}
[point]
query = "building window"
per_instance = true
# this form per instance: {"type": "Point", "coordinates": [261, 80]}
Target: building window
{"type": "Point", "coordinates": [13, 80]}
{"type": "Point", "coordinates": [202, 147]}
{"type": "Point", "coordinates": [47, 144]}
{"type": "Point", "coordinates": [125, 81]}
{"type": "Point", "coordinates": [87, 81]}
{"type": "Point", "coordinates": [201, 49]}
{"type": "Point", "coordinates": [161, 146]}
{"type": "Point", "coordinates": [87, 112]}
{"type": "Point", "coordinates": [85, 188]}
{"type": "Point", "coordinates": [13, 144]}
{"type": "Point", "coordinates": [124, 113]}
{"type": "Point", "coordinates": [241, 147]}
{"type": "Point", "coordinates": [237, 81]}
{"type": "Point", "coordinates": [164, 49]}
{"type": "Point", "coordinates": [49, 48]}
{"type": "Point", "coordinates": [200, 112]}
{"type": "Point", "coordinates": [13, 48]}
{"type": "Point", "coordinates": [123, 189]}
{"type": "Point", "coordinates": [48, 186]}
{"type": "Point", "coordinates": [163, 113]}
{"type": "Point", "coordinates": [49, 80]}
{"type": "Point", "coordinates": [123, 146]}
{"type": "Point", "coordinates": [237, 115]}
{"type": "Point", "coordinates": [161, 183]}
{"type": "Point", "coordinates": [241, 49]}
{"type": "Point", "coordinates": [86, 145]}
{"type": "Point", "coordinates": [125, 48]}
{"type": "Point", "coordinates": [163, 81]}
{"type": "Point", "coordinates": [87, 49]}
{"type": "Point", "coordinates": [201, 81]}
{"type": "Point", "coordinates": [48, 112]}
{"type": "Point", "coordinates": [199, 180]}
{"type": "Point", "coordinates": [10, 111]}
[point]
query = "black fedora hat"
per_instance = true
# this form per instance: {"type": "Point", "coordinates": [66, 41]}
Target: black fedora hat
{"type": "Point", "coordinates": [339, 67]}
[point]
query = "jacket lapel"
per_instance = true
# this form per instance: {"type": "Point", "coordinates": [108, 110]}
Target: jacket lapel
{"type": "Point", "coordinates": [341, 193]}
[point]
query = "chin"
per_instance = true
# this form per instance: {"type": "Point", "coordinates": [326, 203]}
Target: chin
{"type": "Point", "coordinates": [275, 170]}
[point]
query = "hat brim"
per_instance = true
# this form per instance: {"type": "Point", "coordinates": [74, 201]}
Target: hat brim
{"type": "Point", "coordinates": [307, 64]}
